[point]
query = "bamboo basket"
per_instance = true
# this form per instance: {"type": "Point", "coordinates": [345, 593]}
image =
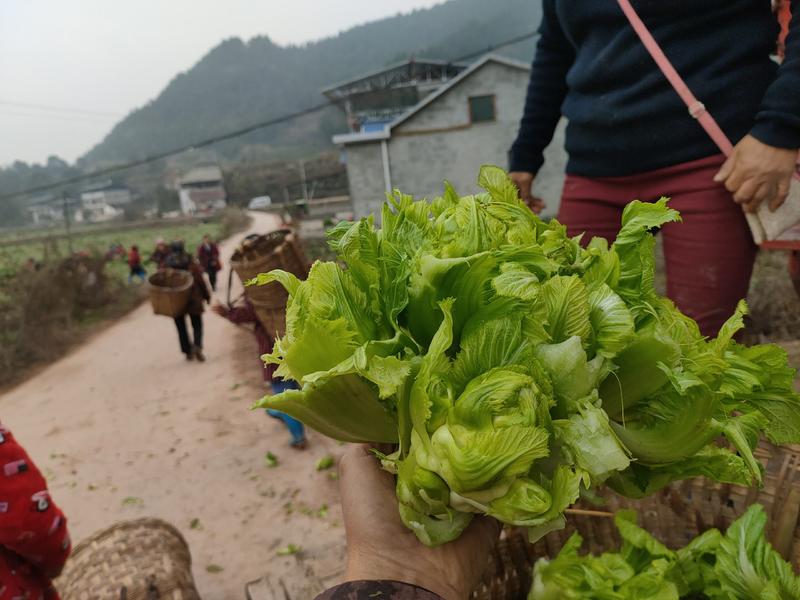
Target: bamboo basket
{"type": "Point", "coordinates": [279, 249]}
{"type": "Point", "coordinates": [141, 559]}
{"type": "Point", "coordinates": [673, 515]}
{"type": "Point", "coordinates": [169, 291]}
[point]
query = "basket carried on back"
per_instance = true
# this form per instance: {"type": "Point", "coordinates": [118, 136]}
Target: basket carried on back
{"type": "Point", "coordinates": [131, 560]}
{"type": "Point", "coordinates": [275, 250]}
{"type": "Point", "coordinates": [674, 515]}
{"type": "Point", "coordinates": [169, 291]}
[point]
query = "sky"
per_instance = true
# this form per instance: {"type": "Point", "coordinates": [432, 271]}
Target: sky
{"type": "Point", "coordinates": [70, 69]}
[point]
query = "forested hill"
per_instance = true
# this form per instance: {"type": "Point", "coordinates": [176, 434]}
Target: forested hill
{"type": "Point", "coordinates": [238, 83]}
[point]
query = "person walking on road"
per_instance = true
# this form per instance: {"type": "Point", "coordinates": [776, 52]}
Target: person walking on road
{"type": "Point", "coordinates": [135, 265]}
{"type": "Point", "coordinates": [246, 314]}
{"type": "Point", "coordinates": [160, 254]}
{"type": "Point", "coordinates": [629, 134]}
{"type": "Point", "coordinates": [182, 260]}
{"type": "Point", "coordinates": [208, 257]}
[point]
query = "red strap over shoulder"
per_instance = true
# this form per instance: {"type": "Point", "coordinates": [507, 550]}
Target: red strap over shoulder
{"type": "Point", "coordinates": [696, 108]}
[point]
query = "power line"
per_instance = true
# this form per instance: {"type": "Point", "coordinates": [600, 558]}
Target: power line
{"type": "Point", "coordinates": [66, 109]}
{"type": "Point", "coordinates": [162, 155]}
{"type": "Point", "coordinates": [226, 136]}
{"type": "Point", "coordinates": [492, 48]}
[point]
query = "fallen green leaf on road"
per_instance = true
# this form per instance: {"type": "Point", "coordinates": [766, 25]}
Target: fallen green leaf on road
{"type": "Point", "coordinates": [214, 568]}
{"type": "Point", "coordinates": [288, 550]}
{"type": "Point", "coordinates": [326, 462]}
{"type": "Point", "coordinates": [271, 459]}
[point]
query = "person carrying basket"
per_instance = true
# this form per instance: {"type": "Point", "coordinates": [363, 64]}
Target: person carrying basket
{"type": "Point", "coordinates": [182, 260]}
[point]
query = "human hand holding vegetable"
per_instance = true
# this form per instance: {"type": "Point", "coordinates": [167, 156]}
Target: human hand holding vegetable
{"type": "Point", "coordinates": [524, 182]}
{"type": "Point", "coordinates": [756, 172]}
{"type": "Point", "coordinates": [379, 546]}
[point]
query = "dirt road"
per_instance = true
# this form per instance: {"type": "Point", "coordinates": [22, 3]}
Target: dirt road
{"type": "Point", "coordinates": [124, 427]}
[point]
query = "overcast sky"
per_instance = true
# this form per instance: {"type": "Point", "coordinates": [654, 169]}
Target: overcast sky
{"type": "Point", "coordinates": [95, 60]}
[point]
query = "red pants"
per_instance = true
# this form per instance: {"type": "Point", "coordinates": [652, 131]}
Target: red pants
{"type": "Point", "coordinates": [709, 256]}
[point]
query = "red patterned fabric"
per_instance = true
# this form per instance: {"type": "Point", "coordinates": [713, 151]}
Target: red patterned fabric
{"type": "Point", "coordinates": [34, 542]}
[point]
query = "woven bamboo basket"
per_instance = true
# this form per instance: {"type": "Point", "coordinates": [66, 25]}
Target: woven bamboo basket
{"type": "Point", "coordinates": [674, 516]}
{"type": "Point", "coordinates": [169, 291]}
{"type": "Point", "coordinates": [279, 249]}
{"type": "Point", "coordinates": [141, 559]}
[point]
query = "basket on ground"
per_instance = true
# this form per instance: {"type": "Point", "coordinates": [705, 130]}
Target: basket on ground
{"type": "Point", "coordinates": [275, 250]}
{"type": "Point", "coordinates": [674, 516]}
{"type": "Point", "coordinates": [169, 291]}
{"type": "Point", "coordinates": [135, 560]}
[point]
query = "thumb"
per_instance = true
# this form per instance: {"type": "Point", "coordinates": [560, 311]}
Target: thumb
{"type": "Point", "coordinates": [725, 170]}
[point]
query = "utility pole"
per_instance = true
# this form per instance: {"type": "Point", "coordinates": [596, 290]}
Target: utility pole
{"type": "Point", "coordinates": [65, 207]}
{"type": "Point", "coordinates": [303, 179]}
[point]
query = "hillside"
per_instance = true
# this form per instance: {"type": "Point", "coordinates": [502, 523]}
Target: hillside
{"type": "Point", "coordinates": [238, 83]}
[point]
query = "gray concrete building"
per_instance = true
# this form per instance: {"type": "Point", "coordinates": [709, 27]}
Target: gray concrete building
{"type": "Point", "coordinates": [468, 121]}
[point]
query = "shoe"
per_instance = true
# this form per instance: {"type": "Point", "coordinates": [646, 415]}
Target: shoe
{"type": "Point", "coordinates": [299, 444]}
{"type": "Point", "coordinates": [189, 356]}
{"type": "Point", "coordinates": [198, 354]}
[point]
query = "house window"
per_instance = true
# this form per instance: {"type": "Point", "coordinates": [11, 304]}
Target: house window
{"type": "Point", "coordinates": [481, 109]}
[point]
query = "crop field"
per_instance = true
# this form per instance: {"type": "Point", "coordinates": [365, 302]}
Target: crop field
{"type": "Point", "coordinates": [52, 248]}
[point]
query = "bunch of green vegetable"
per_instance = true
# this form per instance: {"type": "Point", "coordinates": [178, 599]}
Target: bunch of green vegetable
{"type": "Point", "coordinates": [740, 565]}
{"type": "Point", "coordinates": [515, 368]}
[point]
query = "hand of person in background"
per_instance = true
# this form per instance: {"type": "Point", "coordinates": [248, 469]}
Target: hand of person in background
{"type": "Point", "coordinates": [219, 309]}
{"type": "Point", "coordinates": [524, 183]}
{"type": "Point", "coordinates": [756, 172]}
{"type": "Point", "coordinates": [380, 547]}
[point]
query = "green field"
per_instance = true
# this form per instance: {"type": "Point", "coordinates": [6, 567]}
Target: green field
{"type": "Point", "coordinates": [12, 257]}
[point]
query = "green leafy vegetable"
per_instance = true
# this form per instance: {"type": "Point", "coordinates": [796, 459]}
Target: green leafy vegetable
{"type": "Point", "coordinates": [514, 369]}
{"type": "Point", "coordinates": [741, 565]}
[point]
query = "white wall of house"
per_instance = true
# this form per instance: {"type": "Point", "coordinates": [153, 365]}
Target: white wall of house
{"type": "Point", "coordinates": [365, 177]}
{"type": "Point", "coordinates": [46, 214]}
{"type": "Point", "coordinates": [187, 205]}
{"type": "Point", "coordinates": [111, 196]}
{"type": "Point", "coordinates": [96, 209]}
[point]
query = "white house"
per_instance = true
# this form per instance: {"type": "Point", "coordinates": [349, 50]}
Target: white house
{"type": "Point", "coordinates": [468, 121]}
{"type": "Point", "coordinates": [104, 201]}
{"type": "Point", "coordinates": [201, 190]}
{"type": "Point", "coordinates": [46, 209]}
